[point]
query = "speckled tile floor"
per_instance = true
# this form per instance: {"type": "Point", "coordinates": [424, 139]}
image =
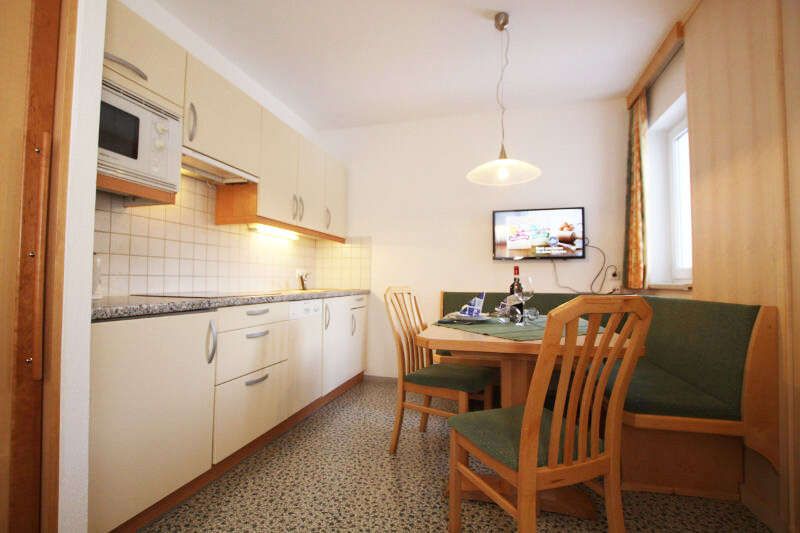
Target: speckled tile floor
{"type": "Point", "coordinates": [332, 473]}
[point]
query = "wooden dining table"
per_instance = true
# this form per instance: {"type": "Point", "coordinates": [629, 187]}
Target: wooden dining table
{"type": "Point", "coordinates": [516, 360]}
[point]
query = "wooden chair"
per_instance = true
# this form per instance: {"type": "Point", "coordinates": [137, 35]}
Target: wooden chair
{"type": "Point", "coordinates": [516, 442]}
{"type": "Point", "coordinates": [417, 373]}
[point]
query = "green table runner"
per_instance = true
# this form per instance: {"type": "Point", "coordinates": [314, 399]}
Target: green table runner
{"type": "Point", "coordinates": [529, 332]}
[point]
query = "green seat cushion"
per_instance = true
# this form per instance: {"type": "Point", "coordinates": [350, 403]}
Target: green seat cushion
{"type": "Point", "coordinates": [655, 391]}
{"type": "Point", "coordinates": [497, 432]}
{"type": "Point", "coordinates": [703, 344]}
{"type": "Point", "coordinates": [453, 376]}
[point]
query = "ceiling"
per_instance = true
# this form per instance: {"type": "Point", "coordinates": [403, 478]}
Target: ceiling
{"type": "Point", "coordinates": [351, 63]}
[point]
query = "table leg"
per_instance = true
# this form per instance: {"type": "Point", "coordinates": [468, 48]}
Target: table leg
{"type": "Point", "coordinates": [514, 380]}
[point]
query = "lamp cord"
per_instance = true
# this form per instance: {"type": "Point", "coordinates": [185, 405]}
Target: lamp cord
{"type": "Point", "coordinates": [499, 88]}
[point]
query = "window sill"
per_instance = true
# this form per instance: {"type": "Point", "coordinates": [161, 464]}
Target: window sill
{"type": "Point", "coordinates": [670, 286]}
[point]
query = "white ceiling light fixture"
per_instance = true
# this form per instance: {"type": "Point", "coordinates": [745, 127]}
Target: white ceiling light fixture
{"type": "Point", "coordinates": [503, 171]}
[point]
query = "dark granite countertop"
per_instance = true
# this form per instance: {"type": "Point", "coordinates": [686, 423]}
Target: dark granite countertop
{"type": "Point", "coordinates": [115, 307]}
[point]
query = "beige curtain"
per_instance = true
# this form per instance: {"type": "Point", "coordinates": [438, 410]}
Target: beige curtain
{"type": "Point", "coordinates": [634, 266]}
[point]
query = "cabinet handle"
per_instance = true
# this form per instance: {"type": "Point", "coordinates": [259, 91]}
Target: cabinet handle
{"type": "Point", "coordinates": [193, 129]}
{"type": "Point", "coordinates": [352, 325]}
{"type": "Point", "coordinates": [257, 334]}
{"type": "Point", "coordinates": [328, 218]}
{"type": "Point", "coordinates": [127, 64]}
{"type": "Point", "coordinates": [256, 381]}
{"type": "Point", "coordinates": [256, 312]}
{"type": "Point", "coordinates": [327, 316]}
{"type": "Point", "coordinates": [302, 208]}
{"type": "Point", "coordinates": [294, 206]}
{"type": "Point", "coordinates": [212, 325]}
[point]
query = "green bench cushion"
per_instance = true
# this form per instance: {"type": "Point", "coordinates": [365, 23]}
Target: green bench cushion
{"type": "Point", "coordinates": [454, 376]}
{"type": "Point", "coordinates": [497, 432]}
{"type": "Point", "coordinates": [703, 344]}
{"type": "Point", "coordinates": [655, 391]}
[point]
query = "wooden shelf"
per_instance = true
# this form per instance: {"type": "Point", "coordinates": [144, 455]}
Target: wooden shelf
{"type": "Point", "coordinates": [237, 203]}
{"type": "Point", "coordinates": [150, 195]}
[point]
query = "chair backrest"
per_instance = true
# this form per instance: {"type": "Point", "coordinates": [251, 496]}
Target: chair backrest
{"type": "Point", "coordinates": [402, 307]}
{"type": "Point", "coordinates": [602, 353]}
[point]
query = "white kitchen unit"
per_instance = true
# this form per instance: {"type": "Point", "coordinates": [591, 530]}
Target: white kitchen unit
{"type": "Point", "coordinates": [335, 197]}
{"type": "Point", "coordinates": [152, 408]}
{"type": "Point", "coordinates": [251, 396]}
{"type": "Point", "coordinates": [344, 337]}
{"type": "Point", "coordinates": [138, 52]}
{"type": "Point", "coordinates": [277, 186]}
{"type": "Point", "coordinates": [220, 121]}
{"type": "Point", "coordinates": [311, 186]}
{"type": "Point", "coordinates": [248, 407]}
{"type": "Point", "coordinates": [305, 353]}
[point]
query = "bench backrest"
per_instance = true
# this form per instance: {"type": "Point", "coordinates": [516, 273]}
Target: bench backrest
{"type": "Point", "coordinates": [703, 343]}
{"type": "Point", "coordinates": [544, 302]}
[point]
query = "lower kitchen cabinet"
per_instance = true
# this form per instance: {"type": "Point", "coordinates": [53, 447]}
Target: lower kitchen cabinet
{"type": "Point", "coordinates": [152, 408]}
{"type": "Point", "coordinates": [343, 340]}
{"type": "Point", "coordinates": [305, 353]}
{"type": "Point", "coordinates": [248, 407]}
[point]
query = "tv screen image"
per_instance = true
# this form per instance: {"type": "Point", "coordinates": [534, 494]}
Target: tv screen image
{"type": "Point", "coordinates": [539, 234]}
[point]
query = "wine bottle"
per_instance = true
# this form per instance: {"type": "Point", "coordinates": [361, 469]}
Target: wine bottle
{"type": "Point", "coordinates": [516, 287]}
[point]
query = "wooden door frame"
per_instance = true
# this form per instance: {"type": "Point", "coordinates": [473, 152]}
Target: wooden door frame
{"type": "Point", "coordinates": [35, 362]}
{"type": "Point", "coordinates": [54, 285]}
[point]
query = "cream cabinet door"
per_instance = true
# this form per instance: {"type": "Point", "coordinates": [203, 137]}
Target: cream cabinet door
{"type": "Point", "coordinates": [248, 407]}
{"type": "Point", "coordinates": [142, 54]}
{"type": "Point", "coordinates": [358, 342]}
{"type": "Point", "coordinates": [335, 342]}
{"type": "Point", "coordinates": [305, 361]}
{"type": "Point", "coordinates": [335, 197]}
{"type": "Point", "coordinates": [151, 412]}
{"type": "Point", "coordinates": [220, 121]}
{"type": "Point", "coordinates": [277, 186]}
{"type": "Point", "coordinates": [311, 186]}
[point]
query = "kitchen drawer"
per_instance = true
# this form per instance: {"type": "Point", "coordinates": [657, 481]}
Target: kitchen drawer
{"type": "Point", "coordinates": [357, 301]}
{"type": "Point", "coordinates": [247, 407]}
{"type": "Point", "coordinates": [242, 351]}
{"type": "Point", "coordinates": [245, 316]}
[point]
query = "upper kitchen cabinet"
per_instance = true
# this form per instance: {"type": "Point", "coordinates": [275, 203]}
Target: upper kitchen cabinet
{"type": "Point", "coordinates": [335, 197]}
{"type": "Point", "coordinates": [220, 121]}
{"type": "Point", "coordinates": [277, 188]}
{"type": "Point", "coordinates": [311, 186]}
{"type": "Point", "coordinates": [139, 53]}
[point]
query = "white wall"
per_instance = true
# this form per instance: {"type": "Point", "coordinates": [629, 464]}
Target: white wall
{"type": "Point", "coordinates": [431, 229]}
{"type": "Point", "coordinates": [75, 329]}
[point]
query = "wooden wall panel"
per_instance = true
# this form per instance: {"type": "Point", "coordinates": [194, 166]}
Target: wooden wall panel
{"type": "Point", "coordinates": [15, 32]}
{"type": "Point", "coordinates": [791, 70]}
{"type": "Point", "coordinates": [740, 196]}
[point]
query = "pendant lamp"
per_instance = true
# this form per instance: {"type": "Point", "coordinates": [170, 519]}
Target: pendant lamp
{"type": "Point", "coordinates": [503, 171]}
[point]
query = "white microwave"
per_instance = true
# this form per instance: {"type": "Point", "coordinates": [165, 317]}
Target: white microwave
{"type": "Point", "coordinates": [138, 141]}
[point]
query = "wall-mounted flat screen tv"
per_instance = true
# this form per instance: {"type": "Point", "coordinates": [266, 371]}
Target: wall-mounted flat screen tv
{"type": "Point", "coordinates": [539, 234]}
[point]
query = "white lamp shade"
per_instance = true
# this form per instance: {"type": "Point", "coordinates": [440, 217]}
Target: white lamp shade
{"type": "Point", "coordinates": [502, 172]}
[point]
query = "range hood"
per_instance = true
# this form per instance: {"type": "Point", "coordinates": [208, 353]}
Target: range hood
{"type": "Point", "coordinates": [200, 166]}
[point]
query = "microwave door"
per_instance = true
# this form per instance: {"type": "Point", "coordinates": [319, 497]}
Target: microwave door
{"type": "Point", "coordinates": [119, 138]}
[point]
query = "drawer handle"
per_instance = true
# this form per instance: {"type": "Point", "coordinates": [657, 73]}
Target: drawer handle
{"type": "Point", "coordinates": [256, 312]}
{"type": "Point", "coordinates": [360, 299]}
{"type": "Point", "coordinates": [257, 380]}
{"type": "Point", "coordinates": [352, 325]}
{"type": "Point", "coordinates": [257, 334]}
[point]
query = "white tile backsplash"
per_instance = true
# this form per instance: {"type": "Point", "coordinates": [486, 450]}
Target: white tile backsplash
{"type": "Point", "coordinates": [178, 248]}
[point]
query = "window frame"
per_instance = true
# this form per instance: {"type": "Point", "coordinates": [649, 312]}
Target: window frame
{"type": "Point", "coordinates": [679, 273]}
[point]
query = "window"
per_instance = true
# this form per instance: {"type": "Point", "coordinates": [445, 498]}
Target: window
{"type": "Point", "coordinates": [680, 203]}
{"type": "Point", "coordinates": [668, 208]}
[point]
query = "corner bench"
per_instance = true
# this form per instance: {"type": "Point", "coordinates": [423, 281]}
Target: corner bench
{"type": "Point", "coordinates": [706, 386]}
